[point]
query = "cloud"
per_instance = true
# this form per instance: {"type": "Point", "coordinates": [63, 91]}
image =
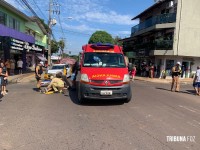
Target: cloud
{"type": "Point", "coordinates": [107, 17]}
{"type": "Point", "coordinates": [95, 11]}
{"type": "Point", "coordinates": [81, 28]}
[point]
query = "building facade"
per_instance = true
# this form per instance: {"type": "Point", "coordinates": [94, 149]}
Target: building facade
{"type": "Point", "coordinates": [167, 32]}
{"type": "Point", "coordinates": [19, 36]}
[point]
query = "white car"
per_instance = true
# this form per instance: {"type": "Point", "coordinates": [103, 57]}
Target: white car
{"type": "Point", "coordinates": [59, 68]}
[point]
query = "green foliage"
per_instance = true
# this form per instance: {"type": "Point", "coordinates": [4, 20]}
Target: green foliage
{"type": "Point", "coordinates": [117, 42]}
{"type": "Point", "coordinates": [101, 37]}
{"type": "Point", "coordinates": [65, 55]}
{"type": "Point", "coordinates": [54, 46]}
{"type": "Point", "coordinates": [61, 44]}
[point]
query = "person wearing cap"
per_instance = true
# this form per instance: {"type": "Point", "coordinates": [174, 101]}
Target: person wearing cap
{"type": "Point", "coordinates": [176, 72]}
{"type": "Point", "coordinates": [38, 73]}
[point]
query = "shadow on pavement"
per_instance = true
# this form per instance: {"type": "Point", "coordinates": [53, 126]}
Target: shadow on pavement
{"type": "Point", "coordinates": [191, 92]}
{"type": "Point", "coordinates": [163, 89]}
{"type": "Point", "coordinates": [97, 102]}
{"type": "Point", "coordinates": [36, 89]}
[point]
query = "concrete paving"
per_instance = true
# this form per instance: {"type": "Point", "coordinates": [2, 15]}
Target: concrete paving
{"type": "Point", "coordinates": [33, 121]}
{"type": "Point", "coordinates": [30, 76]}
{"type": "Point", "coordinates": [20, 77]}
{"type": "Point", "coordinates": [167, 81]}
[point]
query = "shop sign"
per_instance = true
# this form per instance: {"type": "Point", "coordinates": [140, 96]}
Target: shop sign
{"type": "Point", "coordinates": [16, 45]}
{"type": "Point", "coordinates": [20, 45]}
{"type": "Point", "coordinates": [33, 47]}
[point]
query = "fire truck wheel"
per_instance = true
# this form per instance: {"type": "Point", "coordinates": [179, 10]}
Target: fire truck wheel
{"type": "Point", "coordinates": [128, 99]}
{"type": "Point", "coordinates": [80, 98]}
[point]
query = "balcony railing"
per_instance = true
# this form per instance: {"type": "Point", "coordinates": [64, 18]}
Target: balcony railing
{"type": "Point", "coordinates": [159, 19]}
{"type": "Point", "coordinates": [156, 45]}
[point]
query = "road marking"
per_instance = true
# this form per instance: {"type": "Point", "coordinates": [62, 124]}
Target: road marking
{"type": "Point", "coordinates": [196, 122]}
{"type": "Point", "coordinates": [189, 109]}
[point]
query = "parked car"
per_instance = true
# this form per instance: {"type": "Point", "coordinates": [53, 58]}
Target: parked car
{"type": "Point", "coordinates": [57, 68]}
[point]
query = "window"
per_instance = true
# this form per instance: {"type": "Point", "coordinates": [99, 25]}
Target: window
{"type": "Point", "coordinates": [113, 60]}
{"type": "Point", "coordinates": [169, 65]}
{"type": "Point", "coordinates": [14, 24]}
{"type": "Point", "coordinates": [3, 18]}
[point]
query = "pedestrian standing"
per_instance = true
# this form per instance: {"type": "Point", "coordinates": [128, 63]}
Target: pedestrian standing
{"type": "Point", "coordinates": [151, 72]}
{"type": "Point", "coordinates": [133, 73]}
{"type": "Point", "coordinates": [4, 78]}
{"type": "Point", "coordinates": [20, 65]}
{"type": "Point", "coordinates": [1, 81]}
{"type": "Point", "coordinates": [38, 73]}
{"type": "Point", "coordinates": [74, 74]}
{"type": "Point", "coordinates": [176, 72]}
{"type": "Point", "coordinates": [196, 81]}
{"type": "Point", "coordinates": [7, 64]}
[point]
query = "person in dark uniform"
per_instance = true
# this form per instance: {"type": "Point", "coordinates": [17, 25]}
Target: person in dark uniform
{"type": "Point", "coordinates": [38, 73]}
{"type": "Point", "coordinates": [4, 76]}
{"type": "Point", "coordinates": [176, 72]}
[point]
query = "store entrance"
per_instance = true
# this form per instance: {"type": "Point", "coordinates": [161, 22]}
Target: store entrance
{"type": "Point", "coordinates": [15, 58]}
{"type": "Point", "coordinates": [185, 69]}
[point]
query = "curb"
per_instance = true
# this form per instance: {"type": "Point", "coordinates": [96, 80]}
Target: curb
{"type": "Point", "coordinates": [163, 81]}
{"type": "Point", "coordinates": [18, 78]}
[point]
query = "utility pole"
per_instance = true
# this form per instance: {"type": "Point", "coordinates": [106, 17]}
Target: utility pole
{"type": "Point", "coordinates": [51, 22]}
{"type": "Point", "coordinates": [49, 33]}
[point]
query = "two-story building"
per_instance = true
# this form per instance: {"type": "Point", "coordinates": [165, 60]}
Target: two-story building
{"type": "Point", "coordinates": [167, 32]}
{"type": "Point", "coordinates": [20, 35]}
{"type": "Point", "coordinates": [37, 51]}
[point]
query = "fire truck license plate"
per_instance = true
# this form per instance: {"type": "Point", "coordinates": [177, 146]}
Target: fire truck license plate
{"type": "Point", "coordinates": [106, 92]}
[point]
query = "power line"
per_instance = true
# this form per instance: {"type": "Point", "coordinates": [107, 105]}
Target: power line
{"type": "Point", "coordinates": [30, 8]}
{"type": "Point", "coordinates": [75, 32]}
{"type": "Point", "coordinates": [39, 9]}
{"type": "Point", "coordinates": [21, 4]}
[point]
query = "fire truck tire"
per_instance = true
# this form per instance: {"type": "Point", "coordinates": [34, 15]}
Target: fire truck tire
{"type": "Point", "coordinates": [80, 97]}
{"type": "Point", "coordinates": [128, 99]}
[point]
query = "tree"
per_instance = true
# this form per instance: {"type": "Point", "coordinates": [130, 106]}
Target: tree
{"type": "Point", "coordinates": [65, 55]}
{"type": "Point", "coordinates": [117, 42]}
{"type": "Point", "coordinates": [101, 37]}
{"type": "Point", "coordinates": [61, 44]}
{"type": "Point", "coordinates": [54, 46]}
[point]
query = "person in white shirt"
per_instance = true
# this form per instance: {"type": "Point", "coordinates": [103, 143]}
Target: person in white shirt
{"type": "Point", "coordinates": [196, 81]}
{"type": "Point", "coordinates": [20, 65]}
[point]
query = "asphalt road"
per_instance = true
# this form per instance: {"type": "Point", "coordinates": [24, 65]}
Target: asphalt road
{"type": "Point", "coordinates": [34, 121]}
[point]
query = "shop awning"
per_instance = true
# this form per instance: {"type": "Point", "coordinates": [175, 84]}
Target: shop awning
{"type": "Point", "coordinates": [41, 57]}
{"type": "Point", "coordinates": [5, 31]}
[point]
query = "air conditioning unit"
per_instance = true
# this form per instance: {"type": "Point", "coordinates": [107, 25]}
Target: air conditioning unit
{"type": "Point", "coordinates": [171, 4]}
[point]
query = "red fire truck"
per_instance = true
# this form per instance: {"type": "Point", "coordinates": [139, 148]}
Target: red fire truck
{"type": "Point", "coordinates": [103, 73]}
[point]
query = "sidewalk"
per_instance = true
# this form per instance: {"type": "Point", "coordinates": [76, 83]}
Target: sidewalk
{"type": "Point", "coordinates": [19, 77]}
{"type": "Point", "coordinates": [166, 81]}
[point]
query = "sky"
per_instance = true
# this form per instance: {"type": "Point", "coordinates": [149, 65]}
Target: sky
{"type": "Point", "coordinates": [79, 19]}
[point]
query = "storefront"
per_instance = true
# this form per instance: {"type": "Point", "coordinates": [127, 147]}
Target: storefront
{"type": "Point", "coordinates": [13, 44]}
{"type": "Point", "coordinates": [34, 54]}
{"type": "Point", "coordinates": [16, 49]}
{"type": "Point", "coordinates": [167, 62]}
